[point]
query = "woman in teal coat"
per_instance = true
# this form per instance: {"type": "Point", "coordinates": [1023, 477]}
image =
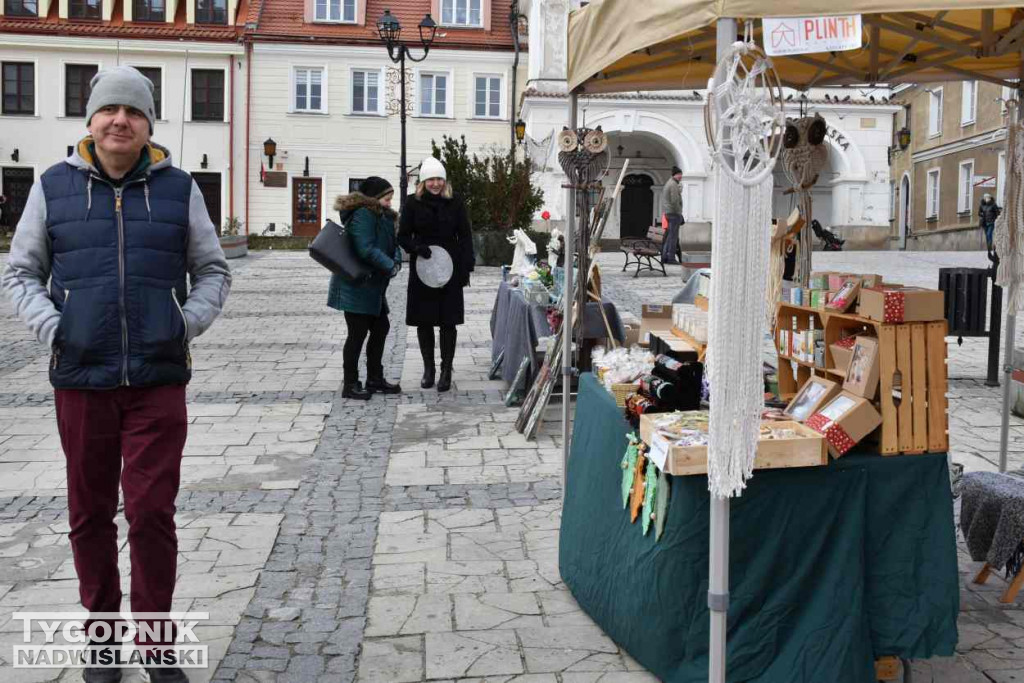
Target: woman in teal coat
{"type": "Point", "coordinates": [370, 224]}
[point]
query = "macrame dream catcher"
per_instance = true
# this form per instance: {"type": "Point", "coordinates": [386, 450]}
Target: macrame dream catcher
{"type": "Point", "coordinates": [803, 159]}
{"type": "Point", "coordinates": [1007, 237]}
{"type": "Point", "coordinates": [743, 119]}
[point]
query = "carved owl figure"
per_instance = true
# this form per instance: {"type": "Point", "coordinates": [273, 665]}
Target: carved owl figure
{"type": "Point", "coordinates": [583, 153]}
{"type": "Point", "coordinates": [804, 153]}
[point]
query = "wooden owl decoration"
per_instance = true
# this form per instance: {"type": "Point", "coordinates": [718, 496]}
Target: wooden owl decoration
{"type": "Point", "coordinates": [804, 153]}
{"type": "Point", "coordinates": [582, 153]}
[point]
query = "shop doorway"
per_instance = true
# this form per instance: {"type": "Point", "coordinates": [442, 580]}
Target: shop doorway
{"type": "Point", "coordinates": [904, 211]}
{"type": "Point", "coordinates": [209, 185]}
{"type": "Point", "coordinates": [16, 184]}
{"type": "Point", "coordinates": [307, 198]}
{"type": "Point", "coordinates": [636, 211]}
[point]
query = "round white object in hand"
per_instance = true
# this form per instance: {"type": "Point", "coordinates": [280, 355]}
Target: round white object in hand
{"type": "Point", "coordinates": [436, 271]}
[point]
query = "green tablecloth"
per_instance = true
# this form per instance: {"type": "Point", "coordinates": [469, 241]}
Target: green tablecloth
{"type": "Point", "coordinates": [831, 566]}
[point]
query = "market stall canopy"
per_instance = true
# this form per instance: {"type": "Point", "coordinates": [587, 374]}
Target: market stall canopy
{"type": "Point", "coordinates": [626, 45]}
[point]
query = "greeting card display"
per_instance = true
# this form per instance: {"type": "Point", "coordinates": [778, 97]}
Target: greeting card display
{"type": "Point", "coordinates": [863, 370]}
{"type": "Point", "coordinates": [845, 297]}
{"type": "Point", "coordinates": [844, 422]}
{"type": "Point", "coordinates": [814, 394]}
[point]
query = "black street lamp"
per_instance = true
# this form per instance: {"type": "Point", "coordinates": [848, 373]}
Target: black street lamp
{"type": "Point", "coordinates": [520, 131]}
{"type": "Point", "coordinates": [390, 31]}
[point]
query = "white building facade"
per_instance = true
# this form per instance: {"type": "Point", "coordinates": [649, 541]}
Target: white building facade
{"type": "Point", "coordinates": [331, 102]}
{"type": "Point", "coordinates": [656, 131]}
{"type": "Point", "coordinates": [198, 73]}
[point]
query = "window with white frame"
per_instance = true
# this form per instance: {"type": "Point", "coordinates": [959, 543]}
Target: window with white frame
{"type": "Point", "coordinates": [433, 94]}
{"type": "Point", "coordinates": [335, 10]}
{"type": "Point", "coordinates": [309, 89]}
{"type": "Point", "coordinates": [487, 96]}
{"type": "Point", "coordinates": [462, 13]}
{"type": "Point", "coordinates": [965, 188]}
{"type": "Point", "coordinates": [365, 92]}
{"type": "Point", "coordinates": [932, 197]}
{"type": "Point", "coordinates": [969, 103]}
{"type": "Point", "coordinates": [935, 112]}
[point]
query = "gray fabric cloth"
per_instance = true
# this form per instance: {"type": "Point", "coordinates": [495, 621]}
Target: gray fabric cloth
{"type": "Point", "coordinates": [688, 294]}
{"type": "Point", "coordinates": [672, 197]}
{"type": "Point", "coordinates": [123, 85]}
{"type": "Point", "coordinates": [516, 327]}
{"type": "Point", "coordinates": [992, 516]}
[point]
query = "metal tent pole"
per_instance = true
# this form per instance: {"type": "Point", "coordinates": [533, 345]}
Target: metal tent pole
{"type": "Point", "coordinates": [1004, 432]}
{"type": "Point", "coordinates": [567, 301]}
{"type": "Point", "coordinates": [718, 569]}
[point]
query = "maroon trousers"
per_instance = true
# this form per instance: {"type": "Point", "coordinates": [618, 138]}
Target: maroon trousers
{"type": "Point", "coordinates": [134, 436]}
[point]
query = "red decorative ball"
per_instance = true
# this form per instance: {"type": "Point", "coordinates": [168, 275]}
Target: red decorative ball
{"type": "Point", "coordinates": [546, 215]}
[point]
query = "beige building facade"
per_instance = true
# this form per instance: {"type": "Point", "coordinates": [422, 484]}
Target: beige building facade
{"type": "Point", "coordinates": [948, 150]}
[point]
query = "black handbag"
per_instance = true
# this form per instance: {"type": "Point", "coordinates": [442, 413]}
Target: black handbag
{"type": "Point", "coordinates": [332, 249]}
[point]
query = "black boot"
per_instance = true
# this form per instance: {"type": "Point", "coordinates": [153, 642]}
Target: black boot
{"type": "Point", "coordinates": [168, 675]}
{"type": "Point", "coordinates": [355, 390]}
{"type": "Point", "coordinates": [379, 385]}
{"type": "Point", "coordinates": [95, 674]}
{"type": "Point", "coordinates": [444, 382]}
{"type": "Point", "coordinates": [428, 377]}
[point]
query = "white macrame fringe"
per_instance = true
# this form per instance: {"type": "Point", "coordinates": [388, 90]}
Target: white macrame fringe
{"type": "Point", "coordinates": [1007, 239]}
{"type": "Point", "coordinates": [739, 266]}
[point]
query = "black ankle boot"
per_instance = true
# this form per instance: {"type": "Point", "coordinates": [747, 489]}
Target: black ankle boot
{"type": "Point", "coordinates": [355, 390]}
{"type": "Point", "coordinates": [444, 382]}
{"type": "Point", "coordinates": [428, 377]}
{"type": "Point", "coordinates": [379, 385]}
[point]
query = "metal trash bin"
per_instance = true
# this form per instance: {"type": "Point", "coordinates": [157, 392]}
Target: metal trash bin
{"type": "Point", "coordinates": [966, 291]}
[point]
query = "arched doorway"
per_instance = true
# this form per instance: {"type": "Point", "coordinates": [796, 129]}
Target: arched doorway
{"type": "Point", "coordinates": [904, 211]}
{"type": "Point", "coordinates": [636, 210]}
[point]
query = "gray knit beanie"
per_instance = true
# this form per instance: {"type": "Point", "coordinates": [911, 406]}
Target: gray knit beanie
{"type": "Point", "coordinates": [123, 85]}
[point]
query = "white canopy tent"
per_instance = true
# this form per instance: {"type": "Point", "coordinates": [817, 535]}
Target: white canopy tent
{"type": "Point", "coordinates": [624, 45]}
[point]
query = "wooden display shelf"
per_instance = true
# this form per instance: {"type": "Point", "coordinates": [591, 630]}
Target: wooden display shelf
{"type": "Point", "coordinates": [701, 302]}
{"type": "Point", "coordinates": [913, 382]}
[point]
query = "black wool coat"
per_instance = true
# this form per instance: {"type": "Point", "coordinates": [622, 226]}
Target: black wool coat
{"type": "Point", "coordinates": [435, 220]}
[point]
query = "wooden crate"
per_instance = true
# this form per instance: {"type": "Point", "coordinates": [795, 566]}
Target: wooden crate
{"type": "Point", "coordinates": [912, 385]}
{"type": "Point", "coordinates": [811, 450]}
{"type": "Point", "coordinates": [788, 387]}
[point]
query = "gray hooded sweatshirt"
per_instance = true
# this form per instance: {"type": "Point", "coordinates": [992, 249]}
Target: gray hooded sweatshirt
{"type": "Point", "coordinates": [27, 274]}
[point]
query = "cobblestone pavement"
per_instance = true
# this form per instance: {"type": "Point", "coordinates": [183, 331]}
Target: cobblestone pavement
{"type": "Point", "coordinates": [408, 538]}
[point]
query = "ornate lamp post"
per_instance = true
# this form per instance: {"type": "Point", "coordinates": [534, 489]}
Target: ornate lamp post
{"type": "Point", "coordinates": [390, 31]}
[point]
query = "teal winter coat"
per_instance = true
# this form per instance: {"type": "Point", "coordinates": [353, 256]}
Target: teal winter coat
{"type": "Point", "coordinates": [371, 227]}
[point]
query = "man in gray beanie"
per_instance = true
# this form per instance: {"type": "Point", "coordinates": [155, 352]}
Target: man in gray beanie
{"type": "Point", "coordinates": [99, 269]}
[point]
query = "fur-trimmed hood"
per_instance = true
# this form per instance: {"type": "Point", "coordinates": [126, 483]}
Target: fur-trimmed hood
{"type": "Point", "coordinates": [347, 204]}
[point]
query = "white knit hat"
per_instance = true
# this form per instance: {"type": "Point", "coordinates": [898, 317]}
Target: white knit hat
{"type": "Point", "coordinates": [432, 168]}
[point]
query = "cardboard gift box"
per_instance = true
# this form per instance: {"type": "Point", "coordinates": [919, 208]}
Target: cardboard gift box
{"type": "Point", "coordinates": [871, 280]}
{"type": "Point", "coordinates": [844, 422]}
{"type": "Point", "coordinates": [654, 318]}
{"type": "Point", "coordinates": [815, 393]}
{"type": "Point", "coordinates": [894, 305]}
{"type": "Point", "coordinates": [845, 297]}
{"type": "Point", "coordinates": [819, 280]}
{"type": "Point", "coordinates": [863, 371]}
{"type": "Point", "coordinates": [837, 280]}
{"type": "Point", "coordinates": [842, 351]}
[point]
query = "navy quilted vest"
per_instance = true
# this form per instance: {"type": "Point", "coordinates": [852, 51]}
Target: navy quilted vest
{"type": "Point", "coordinates": [118, 278]}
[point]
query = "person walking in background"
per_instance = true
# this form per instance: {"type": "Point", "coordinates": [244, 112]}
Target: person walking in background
{"type": "Point", "coordinates": [988, 212]}
{"type": "Point", "coordinates": [433, 217]}
{"type": "Point", "coordinates": [672, 207]}
{"type": "Point", "coordinates": [98, 269]}
{"type": "Point", "coordinates": [370, 224]}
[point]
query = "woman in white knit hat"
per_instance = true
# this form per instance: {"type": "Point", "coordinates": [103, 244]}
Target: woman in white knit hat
{"type": "Point", "coordinates": [434, 219]}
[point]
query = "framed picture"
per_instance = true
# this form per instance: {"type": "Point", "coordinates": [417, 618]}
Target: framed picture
{"type": "Point", "coordinates": [815, 392]}
{"type": "Point", "coordinates": [838, 407]}
{"type": "Point", "coordinates": [863, 372]}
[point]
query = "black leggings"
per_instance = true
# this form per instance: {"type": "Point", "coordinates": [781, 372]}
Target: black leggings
{"type": "Point", "coordinates": [449, 335]}
{"type": "Point", "coordinates": [359, 325]}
